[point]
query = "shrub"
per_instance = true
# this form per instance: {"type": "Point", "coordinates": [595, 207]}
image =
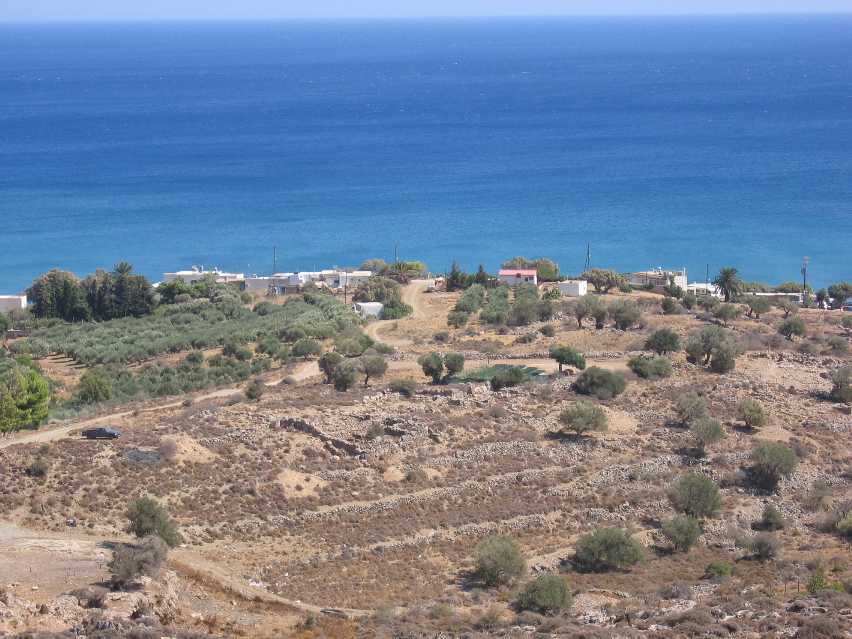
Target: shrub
{"type": "Point", "coordinates": [131, 562]}
{"type": "Point", "coordinates": [472, 299]}
{"type": "Point", "coordinates": [757, 306]}
{"type": "Point", "coordinates": [498, 560]}
{"type": "Point", "coordinates": [547, 330]}
{"type": "Point", "coordinates": [771, 520]}
{"type": "Point", "coordinates": [567, 356]}
{"type": "Point", "coordinates": [838, 344]}
{"type": "Point", "coordinates": [601, 383]}
{"type": "Point", "coordinates": [607, 549]}
{"type": "Point", "coordinates": [373, 366]}
{"type": "Point", "coordinates": [707, 432]}
{"type": "Point", "coordinates": [442, 337]}
{"type": "Point", "coordinates": [701, 343]}
{"type": "Point", "coordinates": [690, 406]}
{"type": "Point", "coordinates": [603, 280]}
{"type": "Point", "coordinates": [696, 496]}
{"type": "Point", "coordinates": [306, 348]}
{"type": "Point", "coordinates": [508, 376]}
{"type": "Point", "coordinates": [405, 387]}
{"type": "Point", "coordinates": [689, 300]}
{"type": "Point", "coordinates": [770, 461]}
{"type": "Point", "coordinates": [147, 517]}
{"type": "Point", "coordinates": [682, 531]}
{"type": "Point", "coordinates": [432, 365]}
{"type": "Point", "coordinates": [841, 390]}
{"type": "Point", "coordinates": [650, 367]}
{"type": "Point", "coordinates": [764, 546]}
{"type": "Point", "coordinates": [724, 358]}
{"type": "Point", "coordinates": [727, 312]}
{"type": "Point", "coordinates": [751, 412]}
{"type": "Point", "coordinates": [718, 570]}
{"type": "Point", "coordinates": [546, 594]}
{"type": "Point", "coordinates": [458, 319]}
{"type": "Point", "coordinates": [625, 314]}
{"type": "Point", "coordinates": [669, 306]}
{"type": "Point", "coordinates": [600, 313]}
{"type": "Point", "coordinates": [344, 376]}
{"type": "Point", "coordinates": [792, 327]}
{"type": "Point", "coordinates": [38, 468]}
{"type": "Point", "coordinates": [454, 363]}
{"type": "Point", "coordinates": [328, 363]}
{"type": "Point", "coordinates": [582, 417]}
{"type": "Point", "coordinates": [255, 389]}
{"type": "Point", "coordinates": [94, 387]}
{"type": "Point", "coordinates": [663, 341]}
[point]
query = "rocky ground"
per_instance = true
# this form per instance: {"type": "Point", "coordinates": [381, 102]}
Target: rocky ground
{"type": "Point", "coordinates": [315, 513]}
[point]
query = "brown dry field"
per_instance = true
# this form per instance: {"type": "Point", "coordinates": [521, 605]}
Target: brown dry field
{"type": "Point", "coordinates": [389, 522]}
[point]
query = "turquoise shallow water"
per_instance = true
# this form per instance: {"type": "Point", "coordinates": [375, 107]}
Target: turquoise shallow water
{"type": "Point", "coordinates": [675, 142]}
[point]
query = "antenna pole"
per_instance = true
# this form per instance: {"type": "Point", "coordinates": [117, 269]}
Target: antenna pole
{"type": "Point", "coordinates": [274, 259]}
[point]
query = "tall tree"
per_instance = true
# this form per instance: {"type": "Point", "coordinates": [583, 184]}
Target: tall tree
{"type": "Point", "coordinates": [24, 397]}
{"type": "Point", "coordinates": [59, 294]}
{"type": "Point", "coordinates": [728, 281]}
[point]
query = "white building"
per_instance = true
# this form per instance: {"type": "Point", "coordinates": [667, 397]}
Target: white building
{"type": "Point", "coordinates": [369, 309]}
{"type": "Point", "coordinates": [701, 289]}
{"type": "Point", "coordinates": [657, 277]}
{"type": "Point", "coordinates": [352, 279]}
{"type": "Point", "coordinates": [197, 273]}
{"type": "Point", "coordinates": [573, 288]}
{"type": "Point", "coordinates": [12, 303]}
{"type": "Point", "coordinates": [516, 276]}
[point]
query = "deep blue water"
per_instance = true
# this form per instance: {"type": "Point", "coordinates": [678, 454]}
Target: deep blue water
{"type": "Point", "coordinates": [675, 142]}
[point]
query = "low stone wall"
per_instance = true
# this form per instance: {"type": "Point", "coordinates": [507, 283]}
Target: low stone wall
{"type": "Point", "coordinates": [335, 442]}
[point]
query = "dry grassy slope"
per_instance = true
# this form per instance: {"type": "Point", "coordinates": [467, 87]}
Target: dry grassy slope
{"type": "Point", "coordinates": [392, 520]}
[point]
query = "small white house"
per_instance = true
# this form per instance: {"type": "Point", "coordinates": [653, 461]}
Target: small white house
{"type": "Point", "coordinates": [369, 310]}
{"type": "Point", "coordinates": [701, 289]}
{"type": "Point", "coordinates": [573, 288]}
{"type": "Point", "coordinates": [657, 277]}
{"type": "Point", "coordinates": [352, 279]}
{"type": "Point", "coordinates": [197, 273]}
{"type": "Point", "coordinates": [12, 303]}
{"type": "Point", "coordinates": [516, 276]}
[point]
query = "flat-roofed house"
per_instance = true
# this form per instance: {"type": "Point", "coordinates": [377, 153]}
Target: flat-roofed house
{"type": "Point", "coordinates": [516, 276]}
{"type": "Point", "coordinates": [12, 303]}
{"type": "Point", "coordinates": [573, 288]}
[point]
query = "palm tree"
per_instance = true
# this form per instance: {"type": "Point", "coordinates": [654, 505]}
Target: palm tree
{"type": "Point", "coordinates": [123, 268]}
{"type": "Point", "coordinates": [729, 282]}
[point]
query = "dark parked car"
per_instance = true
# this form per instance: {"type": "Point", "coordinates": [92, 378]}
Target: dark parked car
{"type": "Point", "coordinates": [101, 433]}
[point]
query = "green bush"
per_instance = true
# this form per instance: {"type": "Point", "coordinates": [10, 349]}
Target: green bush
{"type": "Point", "coordinates": [582, 417]}
{"type": "Point", "coordinates": [373, 367]}
{"type": "Point", "coordinates": [255, 389]}
{"type": "Point", "coordinates": [625, 314]}
{"type": "Point", "coordinates": [757, 306]}
{"type": "Point", "coordinates": [764, 546]}
{"type": "Point", "coordinates": [344, 376]}
{"type": "Point", "coordinates": [306, 348]}
{"type": "Point", "coordinates": [689, 300]}
{"type": "Point", "coordinates": [669, 306]}
{"type": "Point", "coordinates": [841, 390]}
{"type": "Point", "coordinates": [508, 376]}
{"type": "Point", "coordinates": [38, 468]}
{"type": "Point", "coordinates": [792, 327]}
{"type": "Point", "coordinates": [567, 356]}
{"type": "Point", "coordinates": [601, 383]}
{"type": "Point", "coordinates": [696, 496]}
{"type": "Point", "coordinates": [751, 412]}
{"type": "Point", "coordinates": [498, 560]}
{"type": "Point", "coordinates": [547, 330]}
{"type": "Point", "coordinates": [707, 432]}
{"type": "Point", "coordinates": [328, 363]}
{"type": "Point", "coordinates": [718, 571]}
{"type": "Point", "coordinates": [724, 358]}
{"type": "Point", "coordinates": [472, 299]}
{"type": "Point", "coordinates": [607, 549]}
{"type": "Point", "coordinates": [603, 280]}
{"type": "Point", "coordinates": [147, 517]}
{"type": "Point", "coordinates": [770, 462]}
{"type": "Point", "coordinates": [432, 365]}
{"type": "Point", "coordinates": [131, 562]}
{"type": "Point", "coordinates": [454, 363]}
{"type": "Point", "coordinates": [458, 319]}
{"type": "Point", "coordinates": [546, 594]}
{"type": "Point", "coordinates": [663, 341]}
{"type": "Point", "coordinates": [94, 387]}
{"type": "Point", "coordinates": [727, 312]}
{"type": "Point", "coordinates": [690, 406]}
{"type": "Point", "coordinates": [771, 520]}
{"type": "Point", "coordinates": [682, 532]}
{"type": "Point", "coordinates": [405, 387]}
{"type": "Point", "coordinates": [650, 367]}
{"type": "Point", "coordinates": [702, 343]}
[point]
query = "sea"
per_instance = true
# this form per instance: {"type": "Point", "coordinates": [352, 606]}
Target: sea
{"type": "Point", "coordinates": [690, 142]}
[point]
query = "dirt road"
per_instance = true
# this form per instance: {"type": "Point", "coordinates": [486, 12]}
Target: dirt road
{"type": "Point", "coordinates": [303, 371]}
{"type": "Point", "coordinates": [412, 294]}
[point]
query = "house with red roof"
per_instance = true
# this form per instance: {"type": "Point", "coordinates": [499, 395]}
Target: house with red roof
{"type": "Point", "coordinates": [515, 276]}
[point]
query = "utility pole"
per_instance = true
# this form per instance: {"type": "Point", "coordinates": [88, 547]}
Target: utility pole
{"type": "Point", "coordinates": [588, 264]}
{"type": "Point", "coordinates": [274, 259]}
{"type": "Point", "coordinates": [805, 262]}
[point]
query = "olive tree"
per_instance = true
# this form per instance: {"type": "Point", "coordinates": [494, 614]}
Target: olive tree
{"type": "Point", "coordinates": [567, 356]}
{"type": "Point", "coordinates": [696, 495]}
{"type": "Point", "coordinates": [582, 417]}
{"type": "Point", "coordinates": [751, 412]}
{"type": "Point", "coordinates": [771, 462]}
{"type": "Point", "coordinates": [663, 341]}
{"type": "Point", "coordinates": [498, 560]}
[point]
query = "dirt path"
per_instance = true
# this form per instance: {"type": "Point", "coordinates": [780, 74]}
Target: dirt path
{"type": "Point", "coordinates": [303, 371]}
{"type": "Point", "coordinates": [412, 294]}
